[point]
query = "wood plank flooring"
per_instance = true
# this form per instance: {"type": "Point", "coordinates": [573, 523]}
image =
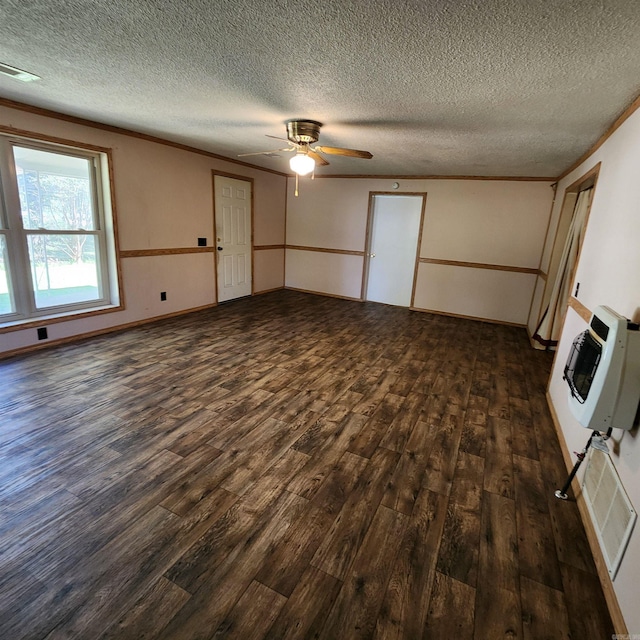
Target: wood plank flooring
{"type": "Point", "coordinates": [289, 466]}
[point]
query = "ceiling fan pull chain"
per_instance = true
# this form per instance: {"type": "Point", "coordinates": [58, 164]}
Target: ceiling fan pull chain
{"type": "Point", "coordinates": [295, 193]}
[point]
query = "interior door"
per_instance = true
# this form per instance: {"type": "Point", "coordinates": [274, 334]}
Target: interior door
{"type": "Point", "coordinates": [233, 237]}
{"type": "Point", "coordinates": [393, 244]}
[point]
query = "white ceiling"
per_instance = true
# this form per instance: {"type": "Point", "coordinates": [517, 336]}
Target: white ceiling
{"type": "Point", "coordinates": [430, 87]}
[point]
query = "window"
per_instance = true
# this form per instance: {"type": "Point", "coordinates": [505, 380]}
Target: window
{"type": "Point", "coordinates": [57, 247]}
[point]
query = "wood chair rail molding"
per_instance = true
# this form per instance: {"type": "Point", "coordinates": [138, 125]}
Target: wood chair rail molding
{"type": "Point", "coordinates": [481, 265]}
{"type": "Point", "coordinates": [580, 309]}
{"type": "Point", "coordinates": [345, 252]}
{"type": "Point", "coordinates": [144, 253]}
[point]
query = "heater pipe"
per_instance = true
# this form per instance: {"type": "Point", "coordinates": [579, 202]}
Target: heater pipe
{"type": "Point", "coordinates": [562, 493]}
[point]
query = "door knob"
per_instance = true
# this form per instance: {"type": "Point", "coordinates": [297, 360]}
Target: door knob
{"type": "Point", "coordinates": [219, 248]}
{"type": "Point", "coordinates": [372, 255]}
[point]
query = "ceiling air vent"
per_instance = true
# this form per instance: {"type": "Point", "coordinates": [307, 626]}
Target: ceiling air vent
{"type": "Point", "coordinates": [18, 74]}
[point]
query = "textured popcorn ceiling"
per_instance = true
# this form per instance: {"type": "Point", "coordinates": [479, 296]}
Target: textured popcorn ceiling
{"type": "Point", "coordinates": [447, 87]}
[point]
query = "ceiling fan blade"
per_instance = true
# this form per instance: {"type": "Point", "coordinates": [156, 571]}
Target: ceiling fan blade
{"type": "Point", "coordinates": [278, 138]}
{"type": "Point", "coordinates": [338, 151]}
{"type": "Point", "coordinates": [317, 157]}
{"type": "Point", "coordinates": [261, 153]}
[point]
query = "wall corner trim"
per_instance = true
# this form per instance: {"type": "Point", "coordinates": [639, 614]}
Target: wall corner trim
{"type": "Point", "coordinates": [629, 111]}
{"type": "Point", "coordinates": [48, 113]}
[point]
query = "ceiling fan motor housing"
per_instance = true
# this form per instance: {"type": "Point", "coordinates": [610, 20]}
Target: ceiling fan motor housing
{"type": "Point", "coordinates": [303, 131]}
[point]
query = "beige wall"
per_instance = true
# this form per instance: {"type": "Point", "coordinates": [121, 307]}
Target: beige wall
{"type": "Point", "coordinates": [164, 200]}
{"type": "Point", "coordinates": [609, 274]}
{"type": "Point", "coordinates": [329, 273]}
{"type": "Point", "coordinates": [498, 223]}
{"type": "Point", "coordinates": [268, 269]}
{"type": "Point", "coordinates": [479, 293]}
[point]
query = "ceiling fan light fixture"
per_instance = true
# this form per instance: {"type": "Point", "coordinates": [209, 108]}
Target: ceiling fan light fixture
{"type": "Point", "coordinates": [302, 164]}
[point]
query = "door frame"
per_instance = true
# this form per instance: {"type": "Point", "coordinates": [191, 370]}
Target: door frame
{"type": "Point", "coordinates": [586, 181]}
{"type": "Point", "coordinates": [234, 176]}
{"type": "Point", "coordinates": [368, 238]}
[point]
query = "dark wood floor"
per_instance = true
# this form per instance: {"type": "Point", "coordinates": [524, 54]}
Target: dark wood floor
{"type": "Point", "coordinates": [289, 466]}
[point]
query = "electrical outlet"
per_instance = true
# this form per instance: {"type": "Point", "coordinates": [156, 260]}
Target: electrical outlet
{"type": "Point", "coordinates": [163, 296]}
{"type": "Point", "coordinates": [42, 333]}
{"type": "Point", "coordinates": [202, 242]}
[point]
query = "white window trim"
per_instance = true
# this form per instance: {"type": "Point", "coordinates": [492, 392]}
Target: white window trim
{"type": "Point", "coordinates": [16, 236]}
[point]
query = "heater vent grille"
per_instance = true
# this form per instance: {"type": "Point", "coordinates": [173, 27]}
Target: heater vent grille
{"type": "Point", "coordinates": [611, 510]}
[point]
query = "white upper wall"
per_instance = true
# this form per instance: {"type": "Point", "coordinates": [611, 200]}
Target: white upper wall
{"type": "Point", "coordinates": [160, 195]}
{"type": "Point", "coordinates": [494, 222]}
{"type": "Point", "coordinates": [330, 213]}
{"type": "Point", "coordinates": [609, 274]}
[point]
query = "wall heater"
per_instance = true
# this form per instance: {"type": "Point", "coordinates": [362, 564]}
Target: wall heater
{"type": "Point", "coordinates": [603, 372]}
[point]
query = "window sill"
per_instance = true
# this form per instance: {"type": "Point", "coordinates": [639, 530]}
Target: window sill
{"type": "Point", "coordinates": [29, 323]}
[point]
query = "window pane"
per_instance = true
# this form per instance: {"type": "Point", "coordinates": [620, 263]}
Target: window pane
{"type": "Point", "coordinates": [6, 303]}
{"type": "Point", "coordinates": [55, 190]}
{"type": "Point", "coordinates": [64, 269]}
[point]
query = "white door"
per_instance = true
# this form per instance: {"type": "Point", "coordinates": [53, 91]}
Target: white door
{"type": "Point", "coordinates": [233, 237]}
{"type": "Point", "coordinates": [392, 248]}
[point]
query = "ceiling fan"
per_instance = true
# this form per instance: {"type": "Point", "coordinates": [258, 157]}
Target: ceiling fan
{"type": "Point", "coordinates": [301, 134]}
